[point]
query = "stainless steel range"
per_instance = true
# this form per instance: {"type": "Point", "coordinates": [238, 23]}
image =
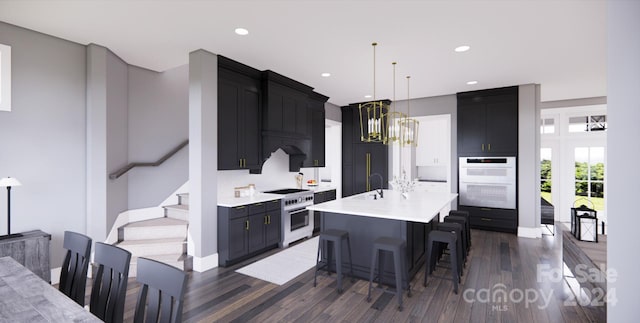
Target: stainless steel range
{"type": "Point", "coordinates": [297, 221]}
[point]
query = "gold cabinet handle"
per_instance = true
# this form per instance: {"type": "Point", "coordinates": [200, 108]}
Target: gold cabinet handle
{"type": "Point", "coordinates": [482, 147]}
{"type": "Point", "coordinates": [368, 170]}
{"type": "Point", "coordinates": [489, 147]}
{"type": "Point", "coordinates": [485, 219]}
{"type": "Point", "coordinates": [239, 207]}
{"type": "Point", "coordinates": [240, 162]}
{"type": "Point", "coordinates": [269, 219]}
{"type": "Point", "coordinates": [265, 220]}
{"type": "Point", "coordinates": [246, 225]}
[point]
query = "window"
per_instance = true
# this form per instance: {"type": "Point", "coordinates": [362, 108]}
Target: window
{"type": "Point", "coordinates": [588, 123]}
{"type": "Point", "coordinates": [5, 78]}
{"type": "Point", "coordinates": [547, 126]}
{"type": "Point", "coordinates": [589, 175]}
{"type": "Point", "coordinates": [545, 174]}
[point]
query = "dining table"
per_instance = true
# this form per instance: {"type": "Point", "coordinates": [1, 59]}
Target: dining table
{"type": "Point", "coordinates": [25, 297]}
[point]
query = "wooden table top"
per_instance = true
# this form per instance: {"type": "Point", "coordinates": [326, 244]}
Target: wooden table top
{"type": "Point", "coordinates": [25, 297]}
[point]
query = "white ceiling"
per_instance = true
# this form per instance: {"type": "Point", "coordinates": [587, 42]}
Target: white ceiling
{"type": "Point", "coordinates": [558, 44]}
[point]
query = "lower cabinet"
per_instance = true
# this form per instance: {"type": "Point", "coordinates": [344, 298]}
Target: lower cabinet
{"type": "Point", "coordinates": [321, 197]}
{"type": "Point", "coordinates": [502, 220]}
{"type": "Point", "coordinates": [247, 230]}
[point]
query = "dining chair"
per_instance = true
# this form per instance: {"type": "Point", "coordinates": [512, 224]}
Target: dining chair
{"type": "Point", "coordinates": [73, 277]}
{"type": "Point", "coordinates": [109, 282]}
{"type": "Point", "coordinates": [162, 287]}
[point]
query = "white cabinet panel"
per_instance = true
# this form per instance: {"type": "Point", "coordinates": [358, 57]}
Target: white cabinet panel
{"type": "Point", "coordinates": [434, 141]}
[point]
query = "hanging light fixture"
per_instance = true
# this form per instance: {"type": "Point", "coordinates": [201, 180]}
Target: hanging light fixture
{"type": "Point", "coordinates": [394, 117]}
{"type": "Point", "coordinates": [373, 127]}
{"type": "Point", "coordinates": [409, 126]}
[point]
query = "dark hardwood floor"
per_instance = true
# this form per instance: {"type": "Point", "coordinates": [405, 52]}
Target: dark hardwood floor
{"type": "Point", "coordinates": [222, 295]}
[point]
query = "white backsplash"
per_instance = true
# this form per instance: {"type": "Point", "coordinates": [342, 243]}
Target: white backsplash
{"type": "Point", "coordinates": [275, 175]}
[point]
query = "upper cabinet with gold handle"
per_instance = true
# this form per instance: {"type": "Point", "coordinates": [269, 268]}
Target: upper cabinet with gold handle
{"type": "Point", "coordinates": [488, 122]}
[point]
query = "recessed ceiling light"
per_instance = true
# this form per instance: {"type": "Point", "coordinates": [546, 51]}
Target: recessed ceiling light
{"type": "Point", "coordinates": [242, 31]}
{"type": "Point", "coordinates": [462, 48]}
{"type": "Point", "coordinates": [367, 96]}
{"type": "Point", "coordinates": [472, 82]}
{"type": "Point", "coordinates": [325, 74]}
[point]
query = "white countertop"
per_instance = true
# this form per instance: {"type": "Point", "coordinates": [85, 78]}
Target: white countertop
{"type": "Point", "coordinates": [419, 207]}
{"type": "Point", "coordinates": [231, 201]}
{"type": "Point", "coordinates": [319, 188]}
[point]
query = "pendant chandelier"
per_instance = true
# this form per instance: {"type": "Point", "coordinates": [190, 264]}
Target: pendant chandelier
{"type": "Point", "coordinates": [408, 125]}
{"type": "Point", "coordinates": [394, 118]}
{"type": "Point", "coordinates": [373, 126]}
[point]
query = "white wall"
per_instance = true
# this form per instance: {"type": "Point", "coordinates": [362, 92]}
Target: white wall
{"type": "Point", "coordinates": [43, 137]}
{"type": "Point", "coordinates": [528, 162]}
{"type": "Point", "coordinates": [203, 159]}
{"type": "Point", "coordinates": [158, 122]}
{"type": "Point", "coordinates": [623, 114]}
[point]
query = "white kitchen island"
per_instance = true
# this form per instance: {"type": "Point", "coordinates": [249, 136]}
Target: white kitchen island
{"type": "Point", "coordinates": [366, 219]}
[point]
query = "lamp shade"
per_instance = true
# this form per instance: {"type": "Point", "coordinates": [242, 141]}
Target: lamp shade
{"type": "Point", "coordinates": [9, 182]}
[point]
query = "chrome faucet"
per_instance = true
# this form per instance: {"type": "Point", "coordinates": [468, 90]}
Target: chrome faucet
{"type": "Point", "coordinates": [381, 192]}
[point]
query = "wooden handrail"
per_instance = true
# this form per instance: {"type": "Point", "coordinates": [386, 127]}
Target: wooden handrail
{"type": "Point", "coordinates": [162, 159]}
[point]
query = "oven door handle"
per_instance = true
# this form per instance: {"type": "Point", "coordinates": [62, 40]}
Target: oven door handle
{"type": "Point", "coordinates": [297, 210]}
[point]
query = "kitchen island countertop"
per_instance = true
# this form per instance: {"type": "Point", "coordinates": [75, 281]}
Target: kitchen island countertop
{"type": "Point", "coordinates": [419, 207]}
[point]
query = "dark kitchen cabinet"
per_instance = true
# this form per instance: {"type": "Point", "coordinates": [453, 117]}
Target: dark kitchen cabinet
{"type": "Point", "coordinates": [503, 220]}
{"type": "Point", "coordinates": [321, 197]}
{"type": "Point", "coordinates": [239, 116]}
{"type": "Point", "coordinates": [317, 116]}
{"type": "Point", "coordinates": [272, 223]}
{"type": "Point", "coordinates": [488, 122]}
{"type": "Point", "coordinates": [369, 159]}
{"type": "Point", "coordinates": [360, 159]}
{"type": "Point", "coordinates": [286, 107]}
{"type": "Point", "coordinates": [247, 230]}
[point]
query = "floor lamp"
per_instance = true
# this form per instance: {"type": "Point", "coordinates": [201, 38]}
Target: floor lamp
{"type": "Point", "coordinates": [8, 182]}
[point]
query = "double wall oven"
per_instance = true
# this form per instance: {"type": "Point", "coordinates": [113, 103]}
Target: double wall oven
{"type": "Point", "coordinates": [487, 182]}
{"type": "Point", "coordinates": [297, 221]}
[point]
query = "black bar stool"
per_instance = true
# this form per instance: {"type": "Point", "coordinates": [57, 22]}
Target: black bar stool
{"type": "Point", "coordinates": [397, 247]}
{"type": "Point", "coordinates": [466, 225]}
{"type": "Point", "coordinates": [435, 239]}
{"type": "Point", "coordinates": [456, 228]}
{"type": "Point", "coordinates": [467, 216]}
{"type": "Point", "coordinates": [332, 238]}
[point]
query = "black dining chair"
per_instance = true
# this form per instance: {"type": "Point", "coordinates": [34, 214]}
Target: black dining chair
{"type": "Point", "coordinates": [162, 291]}
{"type": "Point", "coordinates": [110, 282]}
{"type": "Point", "coordinates": [73, 277]}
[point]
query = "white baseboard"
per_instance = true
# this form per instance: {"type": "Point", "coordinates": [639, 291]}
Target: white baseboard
{"type": "Point", "coordinates": [55, 275]}
{"type": "Point", "coordinates": [526, 232]}
{"type": "Point", "coordinates": [201, 264]}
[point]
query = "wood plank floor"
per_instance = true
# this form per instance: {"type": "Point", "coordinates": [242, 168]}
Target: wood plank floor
{"type": "Point", "coordinates": [499, 265]}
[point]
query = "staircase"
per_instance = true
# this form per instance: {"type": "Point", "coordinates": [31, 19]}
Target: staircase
{"type": "Point", "coordinates": [161, 239]}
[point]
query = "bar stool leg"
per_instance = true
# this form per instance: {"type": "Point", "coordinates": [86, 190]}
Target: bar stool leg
{"type": "Point", "coordinates": [338, 252]}
{"type": "Point", "coordinates": [427, 269]}
{"type": "Point", "coordinates": [315, 275]}
{"type": "Point", "coordinates": [353, 280]}
{"type": "Point", "coordinates": [454, 268]}
{"type": "Point", "coordinates": [329, 250]}
{"type": "Point", "coordinates": [405, 272]}
{"type": "Point", "coordinates": [398, 269]}
{"type": "Point", "coordinates": [373, 268]}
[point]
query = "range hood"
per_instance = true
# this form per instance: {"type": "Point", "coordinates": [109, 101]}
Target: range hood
{"type": "Point", "coordinates": [293, 147]}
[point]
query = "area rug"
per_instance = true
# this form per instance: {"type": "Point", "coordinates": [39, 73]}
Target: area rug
{"type": "Point", "coordinates": [284, 265]}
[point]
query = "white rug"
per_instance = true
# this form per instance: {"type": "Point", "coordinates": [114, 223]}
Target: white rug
{"type": "Point", "coordinates": [284, 265]}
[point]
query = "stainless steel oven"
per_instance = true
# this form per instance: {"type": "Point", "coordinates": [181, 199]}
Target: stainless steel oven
{"type": "Point", "coordinates": [299, 218]}
{"type": "Point", "coordinates": [487, 182]}
{"type": "Point", "coordinates": [297, 221]}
